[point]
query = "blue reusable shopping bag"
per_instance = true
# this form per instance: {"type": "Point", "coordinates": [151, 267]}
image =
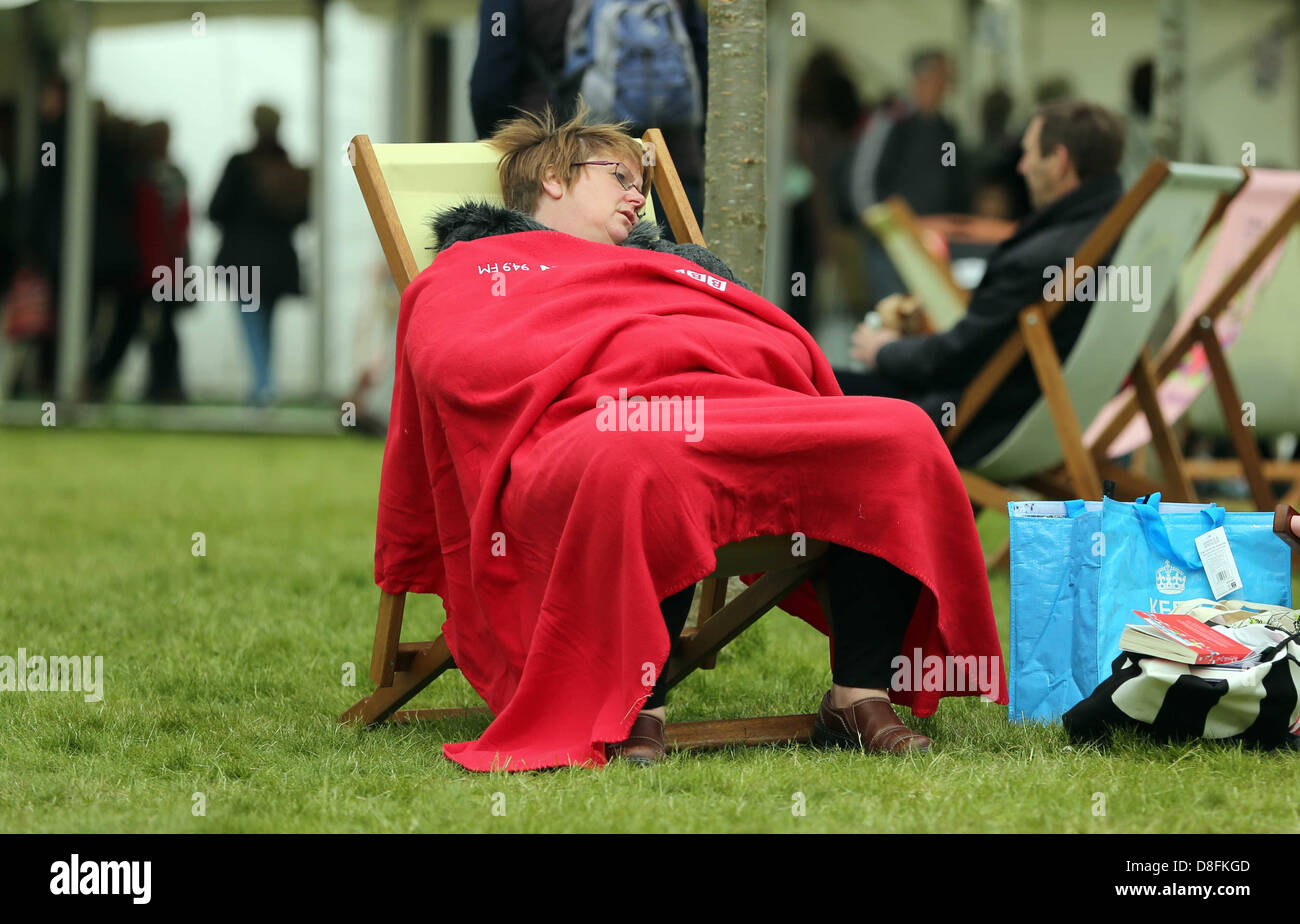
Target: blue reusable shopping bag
{"type": "Point", "coordinates": [1053, 625]}
{"type": "Point", "coordinates": [1068, 611]}
{"type": "Point", "coordinates": [1151, 563]}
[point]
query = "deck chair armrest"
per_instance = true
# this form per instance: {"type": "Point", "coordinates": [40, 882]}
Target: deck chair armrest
{"type": "Point", "coordinates": [383, 214]}
{"type": "Point", "coordinates": [672, 195]}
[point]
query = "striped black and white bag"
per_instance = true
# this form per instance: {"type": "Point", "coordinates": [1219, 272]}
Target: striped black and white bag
{"type": "Point", "coordinates": [1169, 701]}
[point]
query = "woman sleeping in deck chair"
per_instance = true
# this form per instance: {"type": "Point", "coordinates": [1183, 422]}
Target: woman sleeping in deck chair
{"type": "Point", "coordinates": [564, 521]}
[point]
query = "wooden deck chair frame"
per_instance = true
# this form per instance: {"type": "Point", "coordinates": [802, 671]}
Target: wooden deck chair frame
{"type": "Point", "coordinates": [894, 224]}
{"type": "Point", "coordinates": [1079, 476]}
{"type": "Point", "coordinates": [1249, 463]}
{"type": "Point", "coordinates": [400, 670]}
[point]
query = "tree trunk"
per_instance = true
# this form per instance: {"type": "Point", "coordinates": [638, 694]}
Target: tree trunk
{"type": "Point", "coordinates": [735, 149]}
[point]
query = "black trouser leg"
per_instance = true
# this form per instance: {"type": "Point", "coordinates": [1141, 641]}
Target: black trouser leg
{"type": "Point", "coordinates": [126, 323]}
{"type": "Point", "coordinates": [871, 606]}
{"type": "Point", "coordinates": [868, 384]}
{"type": "Point", "coordinates": [164, 357]}
{"type": "Point", "coordinates": [675, 610]}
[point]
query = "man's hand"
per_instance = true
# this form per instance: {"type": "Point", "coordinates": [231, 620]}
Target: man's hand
{"type": "Point", "coordinates": [903, 313]}
{"type": "Point", "coordinates": [868, 340]}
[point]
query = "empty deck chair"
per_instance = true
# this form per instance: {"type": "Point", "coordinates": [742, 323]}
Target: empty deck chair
{"type": "Point", "coordinates": [1246, 273]}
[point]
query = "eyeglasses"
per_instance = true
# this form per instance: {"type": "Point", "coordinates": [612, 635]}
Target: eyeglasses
{"type": "Point", "coordinates": [623, 179]}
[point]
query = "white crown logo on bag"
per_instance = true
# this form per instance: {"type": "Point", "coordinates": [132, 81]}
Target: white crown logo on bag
{"type": "Point", "coordinates": [1169, 580]}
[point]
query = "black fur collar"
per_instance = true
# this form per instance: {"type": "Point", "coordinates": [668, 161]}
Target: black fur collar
{"type": "Point", "coordinates": [473, 220]}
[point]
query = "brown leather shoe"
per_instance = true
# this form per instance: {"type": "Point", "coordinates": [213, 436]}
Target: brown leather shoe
{"type": "Point", "coordinates": [869, 725]}
{"type": "Point", "coordinates": [644, 744]}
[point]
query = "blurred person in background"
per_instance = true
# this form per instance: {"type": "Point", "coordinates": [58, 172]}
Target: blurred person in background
{"type": "Point", "coordinates": [999, 190]}
{"type": "Point", "coordinates": [911, 162]}
{"type": "Point", "coordinates": [162, 222]}
{"type": "Point", "coordinates": [1070, 159]}
{"type": "Point", "coordinates": [1139, 146]}
{"type": "Point", "coordinates": [40, 243]}
{"type": "Point", "coordinates": [8, 196]}
{"type": "Point", "coordinates": [117, 280]}
{"type": "Point", "coordinates": [830, 115]}
{"type": "Point", "coordinates": [902, 153]}
{"type": "Point", "coordinates": [1053, 88]}
{"type": "Point", "coordinates": [25, 314]}
{"type": "Point", "coordinates": [520, 62]}
{"type": "Point", "coordinates": [260, 199]}
{"type": "Point", "coordinates": [535, 53]}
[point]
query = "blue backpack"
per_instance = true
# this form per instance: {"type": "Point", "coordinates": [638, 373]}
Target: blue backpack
{"type": "Point", "coordinates": [632, 60]}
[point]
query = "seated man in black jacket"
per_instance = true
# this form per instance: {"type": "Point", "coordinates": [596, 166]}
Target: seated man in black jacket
{"type": "Point", "coordinates": [1071, 154]}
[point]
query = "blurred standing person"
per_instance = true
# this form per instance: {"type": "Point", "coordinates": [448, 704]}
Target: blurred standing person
{"type": "Point", "coordinates": [41, 244]}
{"type": "Point", "coordinates": [118, 161]}
{"type": "Point", "coordinates": [999, 189]}
{"type": "Point", "coordinates": [908, 159]}
{"type": "Point", "coordinates": [912, 164]}
{"type": "Point", "coordinates": [520, 61]}
{"type": "Point", "coordinates": [644, 61]}
{"type": "Point", "coordinates": [1141, 147]}
{"type": "Point", "coordinates": [162, 217]}
{"type": "Point", "coordinates": [830, 115]}
{"type": "Point", "coordinates": [260, 199]}
{"type": "Point", "coordinates": [1070, 156]}
{"type": "Point", "coordinates": [8, 196]}
{"type": "Point", "coordinates": [879, 122]}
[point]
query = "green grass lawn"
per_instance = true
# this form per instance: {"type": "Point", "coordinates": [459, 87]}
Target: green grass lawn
{"type": "Point", "coordinates": [224, 676]}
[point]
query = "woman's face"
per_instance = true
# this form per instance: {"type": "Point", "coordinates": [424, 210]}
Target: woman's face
{"type": "Point", "coordinates": [597, 207]}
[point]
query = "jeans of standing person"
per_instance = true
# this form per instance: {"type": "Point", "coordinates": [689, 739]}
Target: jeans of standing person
{"type": "Point", "coordinates": [257, 330]}
{"type": "Point", "coordinates": [871, 606]}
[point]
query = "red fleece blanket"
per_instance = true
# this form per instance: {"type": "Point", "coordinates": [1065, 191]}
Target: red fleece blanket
{"type": "Point", "coordinates": [525, 484]}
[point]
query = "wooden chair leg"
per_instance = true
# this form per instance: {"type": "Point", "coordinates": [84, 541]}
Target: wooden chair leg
{"type": "Point", "coordinates": [388, 634]}
{"type": "Point", "coordinates": [984, 492]}
{"type": "Point", "coordinates": [427, 660]}
{"type": "Point", "coordinates": [1230, 403]}
{"type": "Point", "coordinates": [1000, 558]}
{"type": "Point", "coordinates": [1178, 484]}
{"type": "Point", "coordinates": [1139, 463]}
{"type": "Point", "coordinates": [1129, 483]}
{"type": "Point", "coordinates": [713, 596]}
{"type": "Point", "coordinates": [1053, 485]}
{"type": "Point", "coordinates": [993, 496]}
{"type": "Point", "coordinates": [1051, 379]}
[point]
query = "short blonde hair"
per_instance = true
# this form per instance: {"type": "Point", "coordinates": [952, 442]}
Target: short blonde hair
{"type": "Point", "coordinates": [533, 142]}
